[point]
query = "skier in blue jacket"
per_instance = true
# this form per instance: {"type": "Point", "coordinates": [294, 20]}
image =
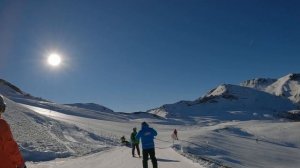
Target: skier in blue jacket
{"type": "Point", "coordinates": [147, 134]}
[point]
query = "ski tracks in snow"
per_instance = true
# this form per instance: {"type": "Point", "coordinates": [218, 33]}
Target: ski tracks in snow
{"type": "Point", "coordinates": [120, 157]}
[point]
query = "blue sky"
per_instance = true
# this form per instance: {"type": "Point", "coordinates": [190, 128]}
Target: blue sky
{"type": "Point", "coordinates": [139, 54]}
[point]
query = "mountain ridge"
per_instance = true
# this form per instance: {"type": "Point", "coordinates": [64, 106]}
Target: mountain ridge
{"type": "Point", "coordinates": [16, 94]}
{"type": "Point", "coordinates": [91, 106]}
{"type": "Point", "coordinates": [287, 86]}
{"type": "Point", "coordinates": [267, 103]}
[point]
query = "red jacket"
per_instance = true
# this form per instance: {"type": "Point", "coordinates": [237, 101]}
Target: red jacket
{"type": "Point", "coordinates": [10, 156]}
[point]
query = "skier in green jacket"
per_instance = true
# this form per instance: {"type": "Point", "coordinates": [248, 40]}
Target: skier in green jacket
{"type": "Point", "coordinates": [134, 143]}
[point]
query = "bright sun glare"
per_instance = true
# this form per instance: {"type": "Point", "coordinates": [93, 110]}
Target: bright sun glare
{"type": "Point", "coordinates": [54, 59]}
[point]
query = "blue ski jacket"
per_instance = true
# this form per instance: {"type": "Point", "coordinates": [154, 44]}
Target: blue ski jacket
{"type": "Point", "coordinates": [146, 134]}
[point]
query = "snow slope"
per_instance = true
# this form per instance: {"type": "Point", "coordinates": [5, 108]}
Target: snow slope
{"type": "Point", "coordinates": [226, 103]}
{"type": "Point", "coordinates": [31, 135]}
{"type": "Point", "coordinates": [287, 86]}
{"type": "Point", "coordinates": [91, 106]}
{"type": "Point", "coordinates": [258, 83]}
{"type": "Point", "coordinates": [90, 110]}
{"type": "Point", "coordinates": [121, 157]}
{"type": "Point", "coordinates": [230, 126]}
{"type": "Point", "coordinates": [231, 144]}
{"type": "Point", "coordinates": [167, 157]}
{"type": "Point", "coordinates": [43, 138]}
{"type": "Point", "coordinates": [255, 144]}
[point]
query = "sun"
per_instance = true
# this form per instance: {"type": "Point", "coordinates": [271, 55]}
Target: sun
{"type": "Point", "coordinates": [54, 59]}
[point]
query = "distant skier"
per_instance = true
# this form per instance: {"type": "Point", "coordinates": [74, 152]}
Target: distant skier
{"type": "Point", "coordinates": [175, 134]}
{"type": "Point", "coordinates": [10, 156]}
{"type": "Point", "coordinates": [134, 143]}
{"type": "Point", "coordinates": [147, 134]}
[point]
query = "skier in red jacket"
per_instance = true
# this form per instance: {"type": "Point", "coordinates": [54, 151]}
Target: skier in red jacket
{"type": "Point", "coordinates": [10, 156]}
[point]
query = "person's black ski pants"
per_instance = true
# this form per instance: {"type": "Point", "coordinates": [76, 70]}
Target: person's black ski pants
{"type": "Point", "coordinates": [135, 146]}
{"type": "Point", "coordinates": [146, 153]}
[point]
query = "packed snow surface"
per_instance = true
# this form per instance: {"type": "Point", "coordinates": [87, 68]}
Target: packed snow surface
{"type": "Point", "coordinates": [121, 157]}
{"type": "Point", "coordinates": [234, 144]}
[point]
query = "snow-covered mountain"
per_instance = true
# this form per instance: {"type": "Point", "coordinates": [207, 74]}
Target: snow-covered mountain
{"type": "Point", "coordinates": [287, 86]}
{"type": "Point", "coordinates": [45, 130]}
{"type": "Point", "coordinates": [89, 110]}
{"type": "Point", "coordinates": [258, 83]}
{"type": "Point", "coordinates": [91, 106]}
{"type": "Point", "coordinates": [228, 102]}
{"type": "Point", "coordinates": [13, 92]}
{"type": "Point", "coordinates": [9, 88]}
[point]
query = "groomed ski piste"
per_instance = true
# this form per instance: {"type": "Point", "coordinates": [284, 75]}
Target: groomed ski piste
{"type": "Point", "coordinates": [231, 126]}
{"type": "Point", "coordinates": [228, 144]}
{"type": "Point", "coordinates": [115, 155]}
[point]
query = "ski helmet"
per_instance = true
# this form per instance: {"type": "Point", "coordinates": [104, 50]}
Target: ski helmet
{"type": "Point", "coordinates": [2, 104]}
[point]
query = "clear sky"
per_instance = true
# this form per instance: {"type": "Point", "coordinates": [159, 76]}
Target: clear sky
{"type": "Point", "coordinates": [133, 55]}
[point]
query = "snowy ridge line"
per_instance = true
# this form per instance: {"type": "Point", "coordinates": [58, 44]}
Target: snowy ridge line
{"type": "Point", "coordinates": [199, 159]}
